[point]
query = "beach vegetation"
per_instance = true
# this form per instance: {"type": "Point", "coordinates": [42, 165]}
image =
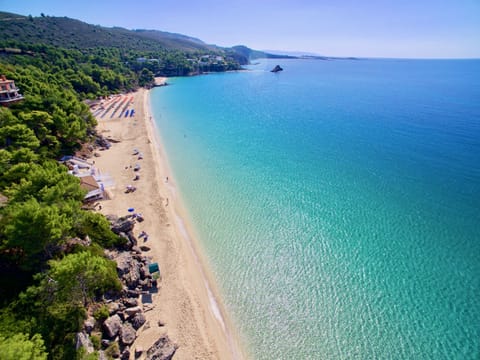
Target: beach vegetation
{"type": "Point", "coordinates": [100, 314]}
{"type": "Point", "coordinates": [95, 338]}
{"type": "Point", "coordinates": [97, 228]}
{"type": "Point", "coordinates": [22, 347]}
{"type": "Point", "coordinates": [112, 351]}
{"type": "Point", "coordinates": [80, 277]}
{"type": "Point", "coordinates": [52, 251]}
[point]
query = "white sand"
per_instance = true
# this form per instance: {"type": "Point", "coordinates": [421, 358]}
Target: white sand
{"type": "Point", "coordinates": [188, 301]}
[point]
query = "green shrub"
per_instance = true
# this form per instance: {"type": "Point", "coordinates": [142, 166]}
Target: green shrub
{"type": "Point", "coordinates": [113, 351]}
{"type": "Point", "coordinates": [101, 313]}
{"type": "Point", "coordinates": [97, 227]}
{"type": "Point", "coordinates": [96, 341]}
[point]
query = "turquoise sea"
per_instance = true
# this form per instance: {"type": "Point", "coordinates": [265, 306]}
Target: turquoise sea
{"type": "Point", "coordinates": [338, 203]}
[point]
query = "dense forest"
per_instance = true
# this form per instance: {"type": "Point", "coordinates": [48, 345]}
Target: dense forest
{"type": "Point", "coordinates": [49, 273]}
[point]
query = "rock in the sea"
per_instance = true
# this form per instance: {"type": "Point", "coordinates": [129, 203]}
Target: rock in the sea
{"type": "Point", "coordinates": [138, 320]}
{"type": "Point", "coordinates": [277, 69]}
{"type": "Point", "coordinates": [127, 334]}
{"type": "Point", "coordinates": [163, 349]}
{"type": "Point", "coordinates": [83, 341]}
{"type": "Point", "coordinates": [112, 326]}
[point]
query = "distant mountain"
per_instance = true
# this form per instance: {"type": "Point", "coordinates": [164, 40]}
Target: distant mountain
{"type": "Point", "coordinates": [70, 33]}
{"type": "Point", "coordinates": [246, 54]}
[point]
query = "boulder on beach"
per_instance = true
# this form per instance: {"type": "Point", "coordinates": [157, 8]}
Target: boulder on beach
{"type": "Point", "coordinates": [163, 349]}
{"type": "Point", "coordinates": [127, 334]}
{"type": "Point", "coordinates": [112, 326]}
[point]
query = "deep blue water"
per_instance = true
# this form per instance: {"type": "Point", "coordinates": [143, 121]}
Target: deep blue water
{"type": "Point", "coordinates": [338, 203]}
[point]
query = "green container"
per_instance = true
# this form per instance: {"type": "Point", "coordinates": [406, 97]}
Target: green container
{"type": "Point", "coordinates": [153, 268]}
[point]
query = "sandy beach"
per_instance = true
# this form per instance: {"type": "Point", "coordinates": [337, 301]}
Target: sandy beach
{"type": "Point", "coordinates": [187, 304]}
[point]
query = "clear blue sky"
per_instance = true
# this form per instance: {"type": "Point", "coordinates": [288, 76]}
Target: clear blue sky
{"type": "Point", "coordinates": [368, 28]}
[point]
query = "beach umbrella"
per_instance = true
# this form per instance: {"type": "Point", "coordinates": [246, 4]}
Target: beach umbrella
{"type": "Point", "coordinates": [131, 209]}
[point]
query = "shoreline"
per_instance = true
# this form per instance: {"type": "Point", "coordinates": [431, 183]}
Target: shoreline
{"type": "Point", "coordinates": [186, 231]}
{"type": "Point", "coordinates": [188, 302]}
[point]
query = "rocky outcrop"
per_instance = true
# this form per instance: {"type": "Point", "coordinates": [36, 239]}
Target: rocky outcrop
{"type": "Point", "coordinates": [73, 243]}
{"type": "Point", "coordinates": [123, 225]}
{"type": "Point", "coordinates": [130, 312]}
{"type": "Point", "coordinates": [89, 324]}
{"type": "Point", "coordinates": [126, 310]}
{"type": "Point", "coordinates": [138, 320]}
{"type": "Point", "coordinates": [103, 143]}
{"type": "Point", "coordinates": [124, 228]}
{"type": "Point", "coordinates": [127, 334]}
{"type": "Point", "coordinates": [163, 349]}
{"type": "Point", "coordinates": [123, 260]}
{"type": "Point", "coordinates": [112, 326]}
{"type": "Point", "coordinates": [277, 69]}
{"type": "Point", "coordinates": [82, 340]}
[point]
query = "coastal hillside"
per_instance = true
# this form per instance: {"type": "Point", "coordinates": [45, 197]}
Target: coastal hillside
{"type": "Point", "coordinates": [116, 59]}
{"type": "Point", "coordinates": [70, 33]}
{"type": "Point", "coordinates": [75, 34]}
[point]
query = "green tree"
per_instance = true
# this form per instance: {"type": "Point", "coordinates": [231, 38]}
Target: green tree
{"type": "Point", "coordinates": [42, 124]}
{"type": "Point", "coordinates": [81, 276]}
{"type": "Point", "coordinates": [49, 183]}
{"type": "Point", "coordinates": [32, 231]}
{"type": "Point", "coordinates": [21, 347]}
{"type": "Point", "coordinates": [146, 78]}
{"type": "Point", "coordinates": [18, 136]}
{"type": "Point", "coordinates": [97, 227]}
{"type": "Point", "coordinates": [7, 117]}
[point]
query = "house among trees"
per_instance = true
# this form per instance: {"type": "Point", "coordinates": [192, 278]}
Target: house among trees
{"type": "Point", "coordinates": [8, 92]}
{"type": "Point", "coordinates": [90, 183]}
{"type": "Point", "coordinates": [85, 172]}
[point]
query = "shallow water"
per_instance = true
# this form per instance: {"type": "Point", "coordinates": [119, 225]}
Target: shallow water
{"type": "Point", "coordinates": [337, 203]}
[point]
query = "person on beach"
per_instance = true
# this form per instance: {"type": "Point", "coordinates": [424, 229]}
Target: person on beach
{"type": "Point", "coordinates": [166, 202]}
